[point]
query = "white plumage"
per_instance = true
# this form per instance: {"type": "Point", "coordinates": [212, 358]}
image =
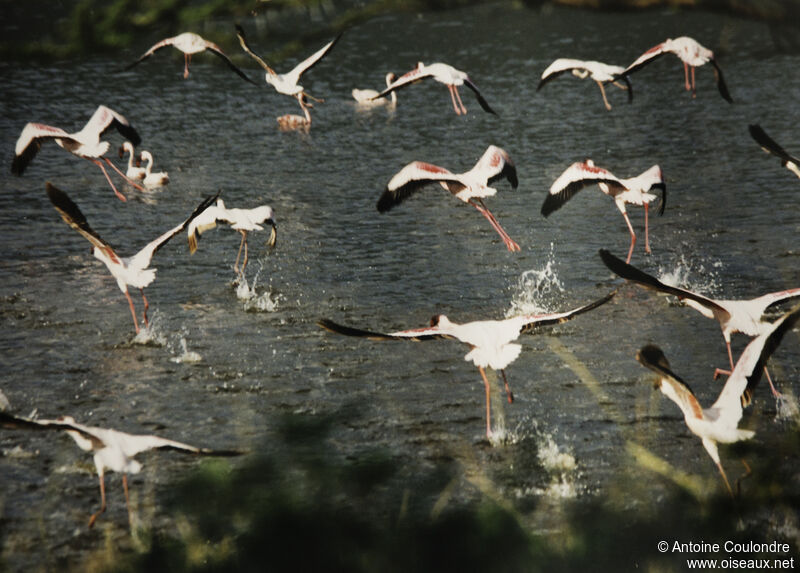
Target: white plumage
{"type": "Point", "coordinates": [598, 71]}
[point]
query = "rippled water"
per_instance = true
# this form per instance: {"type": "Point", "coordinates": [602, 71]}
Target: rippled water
{"type": "Point", "coordinates": [223, 363]}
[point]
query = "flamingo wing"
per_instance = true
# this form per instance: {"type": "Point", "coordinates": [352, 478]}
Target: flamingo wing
{"type": "Point", "coordinates": [534, 321]}
{"type": "Point", "coordinates": [575, 177]}
{"type": "Point", "coordinates": [496, 164]}
{"type": "Point", "coordinates": [73, 217]}
{"type": "Point", "coordinates": [411, 179]}
{"type": "Point", "coordinates": [246, 48]}
{"type": "Point", "coordinates": [412, 77]}
{"type": "Point", "coordinates": [653, 358]}
{"type": "Point", "coordinates": [721, 85]}
{"type": "Point", "coordinates": [311, 61]}
{"type": "Point", "coordinates": [557, 68]}
{"type": "Point", "coordinates": [153, 49]}
{"type": "Point", "coordinates": [769, 145]}
{"type": "Point", "coordinates": [428, 333]}
{"type": "Point", "coordinates": [216, 50]}
{"type": "Point", "coordinates": [648, 57]}
{"type": "Point", "coordinates": [66, 424]}
{"type": "Point", "coordinates": [141, 260]}
{"type": "Point", "coordinates": [484, 104]}
{"type": "Point", "coordinates": [105, 118]}
{"type": "Point", "coordinates": [30, 141]}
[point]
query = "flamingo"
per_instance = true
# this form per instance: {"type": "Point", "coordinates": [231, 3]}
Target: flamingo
{"type": "Point", "coordinates": [367, 97]}
{"type": "Point", "coordinates": [133, 271]}
{"type": "Point", "coordinates": [84, 143]}
{"type": "Point", "coordinates": [291, 121]}
{"type": "Point", "coordinates": [470, 187]}
{"type": "Point", "coordinates": [745, 316]}
{"type": "Point", "coordinates": [691, 53]}
{"type": "Point", "coordinates": [287, 83]}
{"type": "Point", "coordinates": [190, 43]}
{"type": "Point", "coordinates": [242, 220]}
{"type": "Point", "coordinates": [491, 342]}
{"type": "Point", "coordinates": [133, 171]}
{"type": "Point", "coordinates": [769, 145]}
{"type": "Point", "coordinates": [598, 71]}
{"type": "Point", "coordinates": [633, 191]}
{"type": "Point", "coordinates": [719, 423]}
{"type": "Point", "coordinates": [442, 73]}
{"type": "Point", "coordinates": [113, 450]}
{"type": "Point", "coordinates": [151, 179]}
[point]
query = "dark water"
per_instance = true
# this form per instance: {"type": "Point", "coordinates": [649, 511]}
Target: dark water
{"type": "Point", "coordinates": [583, 405]}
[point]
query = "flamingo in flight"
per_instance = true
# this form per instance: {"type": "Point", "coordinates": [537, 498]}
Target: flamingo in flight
{"type": "Point", "coordinates": [133, 271]}
{"type": "Point", "coordinates": [133, 171]}
{"type": "Point", "coordinates": [190, 43]}
{"type": "Point", "coordinates": [242, 220]}
{"type": "Point", "coordinates": [633, 191]}
{"type": "Point", "coordinates": [368, 97]}
{"type": "Point", "coordinates": [598, 71]}
{"type": "Point", "coordinates": [491, 342]}
{"type": "Point", "coordinates": [113, 450]}
{"type": "Point", "coordinates": [470, 187]}
{"type": "Point", "coordinates": [442, 73]}
{"type": "Point", "coordinates": [745, 316]}
{"type": "Point", "coordinates": [152, 180]}
{"type": "Point", "coordinates": [691, 53]}
{"type": "Point", "coordinates": [84, 143]}
{"type": "Point", "coordinates": [287, 83]}
{"type": "Point", "coordinates": [768, 144]}
{"type": "Point", "coordinates": [719, 423]}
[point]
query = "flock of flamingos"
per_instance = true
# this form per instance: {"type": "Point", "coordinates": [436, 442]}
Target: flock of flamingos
{"type": "Point", "coordinates": [492, 342]}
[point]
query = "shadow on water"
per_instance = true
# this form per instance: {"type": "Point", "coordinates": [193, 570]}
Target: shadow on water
{"type": "Point", "coordinates": [305, 507]}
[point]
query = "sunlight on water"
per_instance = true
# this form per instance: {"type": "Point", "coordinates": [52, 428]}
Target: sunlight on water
{"type": "Point", "coordinates": [535, 289]}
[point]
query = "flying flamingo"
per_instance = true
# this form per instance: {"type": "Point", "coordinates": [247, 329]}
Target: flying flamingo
{"type": "Point", "coordinates": [151, 180]}
{"type": "Point", "coordinates": [133, 171]}
{"type": "Point", "coordinates": [719, 423]}
{"type": "Point", "coordinates": [242, 220]}
{"type": "Point", "coordinates": [84, 143]}
{"type": "Point", "coordinates": [367, 97]}
{"type": "Point", "coordinates": [491, 342]}
{"type": "Point", "coordinates": [131, 271]}
{"type": "Point", "coordinates": [113, 450]}
{"type": "Point", "coordinates": [634, 191]}
{"type": "Point", "coordinates": [769, 145]}
{"type": "Point", "coordinates": [691, 53]}
{"type": "Point", "coordinates": [470, 187]}
{"type": "Point", "coordinates": [442, 73]}
{"type": "Point", "coordinates": [599, 72]}
{"type": "Point", "coordinates": [287, 83]}
{"type": "Point", "coordinates": [745, 316]}
{"type": "Point", "coordinates": [190, 43]}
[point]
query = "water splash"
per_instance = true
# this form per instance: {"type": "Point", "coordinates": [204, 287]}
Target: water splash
{"type": "Point", "coordinates": [152, 334]}
{"type": "Point", "coordinates": [536, 289]}
{"type": "Point", "coordinates": [560, 465]}
{"type": "Point", "coordinates": [186, 356]}
{"type": "Point", "coordinates": [253, 301]}
{"type": "Point", "coordinates": [693, 275]}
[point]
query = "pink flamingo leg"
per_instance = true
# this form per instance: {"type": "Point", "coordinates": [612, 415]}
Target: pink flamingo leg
{"type": "Point", "coordinates": [603, 92]}
{"type": "Point", "coordinates": [186, 58]}
{"type": "Point", "coordinates": [146, 306]}
{"type": "Point", "coordinates": [646, 231]}
{"type": "Point", "coordinates": [775, 392]}
{"type": "Point", "coordinates": [97, 514]}
{"type": "Point", "coordinates": [453, 99]}
{"type": "Point", "coordinates": [633, 237]}
{"type": "Point", "coordinates": [119, 195]}
{"type": "Point", "coordinates": [488, 403]}
{"type": "Point", "coordinates": [509, 393]}
{"type": "Point", "coordinates": [686, 75]}
{"type": "Point", "coordinates": [694, 92]}
{"type": "Point", "coordinates": [125, 177]}
{"type": "Point", "coordinates": [719, 371]}
{"type": "Point", "coordinates": [133, 312]}
{"type": "Point", "coordinates": [243, 243]}
{"type": "Point", "coordinates": [511, 245]}
{"type": "Point", "coordinates": [460, 103]}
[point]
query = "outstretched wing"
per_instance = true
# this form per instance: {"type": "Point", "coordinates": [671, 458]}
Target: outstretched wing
{"type": "Point", "coordinates": [631, 273]}
{"type": "Point", "coordinates": [648, 57]}
{"type": "Point", "coordinates": [721, 85]}
{"type": "Point", "coordinates": [73, 217]}
{"type": "Point", "coordinates": [214, 49]}
{"type": "Point", "coordinates": [133, 444]}
{"type": "Point", "coordinates": [653, 358]}
{"type": "Point", "coordinates": [246, 48]}
{"type": "Point", "coordinates": [769, 145]}
{"type": "Point", "coordinates": [558, 67]}
{"type": "Point", "coordinates": [575, 177]}
{"type": "Point", "coordinates": [30, 141]}
{"type": "Point", "coordinates": [738, 390]}
{"type": "Point", "coordinates": [533, 321]}
{"type": "Point", "coordinates": [484, 104]}
{"type": "Point", "coordinates": [153, 49]}
{"type": "Point", "coordinates": [411, 179]}
{"type": "Point", "coordinates": [496, 164]}
{"type": "Point", "coordinates": [417, 74]}
{"type": "Point", "coordinates": [141, 260]}
{"type": "Point", "coordinates": [64, 424]}
{"type": "Point", "coordinates": [311, 61]}
{"type": "Point", "coordinates": [428, 333]}
{"type": "Point", "coordinates": [105, 118]}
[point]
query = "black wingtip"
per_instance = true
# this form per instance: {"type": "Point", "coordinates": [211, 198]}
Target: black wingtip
{"type": "Point", "coordinates": [386, 201]}
{"type": "Point", "coordinates": [651, 355]}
